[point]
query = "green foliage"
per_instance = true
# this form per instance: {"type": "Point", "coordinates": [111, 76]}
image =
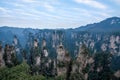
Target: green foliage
{"type": "Point", "coordinates": [14, 59]}
{"type": "Point", "coordinates": [84, 49]}
{"type": "Point", "coordinates": [93, 75]}
{"type": "Point", "coordinates": [76, 76]}
{"type": "Point", "coordinates": [69, 70]}
{"type": "Point", "coordinates": [19, 72]}
{"type": "Point", "coordinates": [86, 69]}
{"type": "Point", "coordinates": [102, 62]}
{"type": "Point", "coordinates": [61, 64]}
{"type": "Point", "coordinates": [61, 77]}
{"type": "Point", "coordinates": [37, 77]}
{"type": "Point", "coordinates": [102, 59]}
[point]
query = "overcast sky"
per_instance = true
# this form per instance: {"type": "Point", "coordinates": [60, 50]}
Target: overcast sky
{"type": "Point", "coordinates": [56, 13]}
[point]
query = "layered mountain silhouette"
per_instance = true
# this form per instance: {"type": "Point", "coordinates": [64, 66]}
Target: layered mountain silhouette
{"type": "Point", "coordinates": [7, 33]}
{"type": "Point", "coordinates": [107, 25]}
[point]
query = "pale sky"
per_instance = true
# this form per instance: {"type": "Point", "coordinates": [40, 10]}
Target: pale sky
{"type": "Point", "coordinates": [54, 14]}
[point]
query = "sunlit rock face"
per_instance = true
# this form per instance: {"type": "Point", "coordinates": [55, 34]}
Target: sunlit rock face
{"type": "Point", "coordinates": [119, 51]}
{"type": "Point", "coordinates": [43, 43]}
{"type": "Point", "coordinates": [75, 68]}
{"type": "Point", "coordinates": [44, 49]}
{"type": "Point", "coordinates": [37, 61]}
{"type": "Point", "coordinates": [15, 41]}
{"type": "Point", "coordinates": [60, 52]}
{"type": "Point", "coordinates": [2, 64]}
{"type": "Point", "coordinates": [112, 42]}
{"type": "Point", "coordinates": [118, 39]}
{"type": "Point", "coordinates": [92, 44]}
{"type": "Point", "coordinates": [35, 58]}
{"type": "Point", "coordinates": [9, 55]}
{"type": "Point", "coordinates": [45, 53]}
{"type": "Point", "coordinates": [35, 43]}
{"type": "Point", "coordinates": [117, 74]}
{"type": "Point", "coordinates": [54, 39]}
{"type": "Point", "coordinates": [61, 71]}
{"type": "Point", "coordinates": [17, 49]}
{"type": "Point", "coordinates": [112, 45]}
{"type": "Point", "coordinates": [63, 59]}
{"type": "Point", "coordinates": [104, 47]}
{"type": "Point", "coordinates": [83, 59]}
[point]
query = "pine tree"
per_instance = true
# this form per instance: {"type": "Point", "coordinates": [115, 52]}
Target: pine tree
{"type": "Point", "coordinates": [69, 70]}
{"type": "Point", "coordinates": [101, 69]}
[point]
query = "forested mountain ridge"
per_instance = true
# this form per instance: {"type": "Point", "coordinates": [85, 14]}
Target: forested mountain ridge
{"type": "Point", "coordinates": [107, 25]}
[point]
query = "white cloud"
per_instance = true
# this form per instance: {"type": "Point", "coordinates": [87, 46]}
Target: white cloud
{"type": "Point", "coordinates": [92, 3]}
{"type": "Point", "coordinates": [48, 7]}
{"type": "Point", "coordinates": [92, 13]}
{"type": "Point", "coordinates": [35, 4]}
{"type": "Point", "coordinates": [17, 4]}
{"type": "Point", "coordinates": [29, 1]}
{"type": "Point", "coordinates": [3, 10]}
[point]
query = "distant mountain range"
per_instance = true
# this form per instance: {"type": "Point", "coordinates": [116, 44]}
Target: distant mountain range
{"type": "Point", "coordinates": [69, 37]}
{"type": "Point", "coordinates": [107, 25]}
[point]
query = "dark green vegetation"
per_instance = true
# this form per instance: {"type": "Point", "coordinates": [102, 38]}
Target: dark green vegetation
{"type": "Point", "coordinates": [19, 72]}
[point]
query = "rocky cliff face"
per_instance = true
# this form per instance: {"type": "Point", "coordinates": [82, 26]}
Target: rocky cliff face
{"type": "Point", "coordinates": [2, 64]}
